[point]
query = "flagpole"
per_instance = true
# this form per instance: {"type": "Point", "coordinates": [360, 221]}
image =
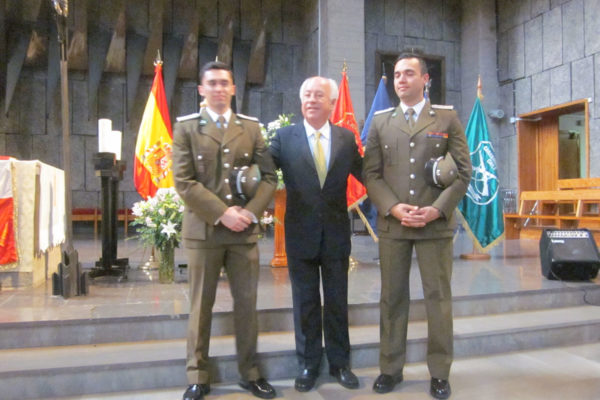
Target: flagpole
{"type": "Point", "coordinates": [364, 219]}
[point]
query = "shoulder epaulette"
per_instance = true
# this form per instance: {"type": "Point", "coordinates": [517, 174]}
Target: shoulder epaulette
{"type": "Point", "coordinates": [442, 106]}
{"type": "Point", "coordinates": [384, 111]}
{"type": "Point", "coordinates": [242, 116]}
{"type": "Point", "coordinates": [188, 117]}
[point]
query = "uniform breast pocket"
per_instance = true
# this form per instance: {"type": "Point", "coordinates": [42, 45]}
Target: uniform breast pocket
{"type": "Point", "coordinates": [390, 150]}
{"type": "Point", "coordinates": [203, 161]}
{"type": "Point", "coordinates": [437, 142]}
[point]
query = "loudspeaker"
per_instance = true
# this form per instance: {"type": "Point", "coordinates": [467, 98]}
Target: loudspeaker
{"type": "Point", "coordinates": [569, 254]}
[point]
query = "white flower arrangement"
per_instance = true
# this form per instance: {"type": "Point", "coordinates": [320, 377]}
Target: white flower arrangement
{"type": "Point", "coordinates": [158, 219]}
{"type": "Point", "coordinates": [268, 134]}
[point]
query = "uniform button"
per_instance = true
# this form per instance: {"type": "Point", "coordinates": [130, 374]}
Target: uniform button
{"type": "Point", "coordinates": [225, 151]}
{"type": "Point", "coordinates": [245, 154]}
{"type": "Point", "coordinates": [226, 180]}
{"type": "Point", "coordinates": [412, 176]}
{"type": "Point", "coordinates": [200, 157]}
{"type": "Point", "coordinates": [411, 192]}
{"type": "Point", "coordinates": [226, 165]}
{"type": "Point", "coordinates": [437, 145]}
{"type": "Point", "coordinates": [228, 197]}
{"type": "Point", "coordinates": [412, 144]}
{"type": "Point", "coordinates": [385, 146]}
{"type": "Point", "coordinates": [412, 160]}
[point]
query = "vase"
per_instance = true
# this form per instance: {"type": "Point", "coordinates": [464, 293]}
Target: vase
{"type": "Point", "coordinates": [166, 264]}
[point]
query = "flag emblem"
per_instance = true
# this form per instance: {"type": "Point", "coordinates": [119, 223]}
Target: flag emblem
{"type": "Point", "coordinates": [484, 186]}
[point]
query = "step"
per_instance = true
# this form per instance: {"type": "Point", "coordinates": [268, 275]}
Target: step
{"type": "Point", "coordinates": [60, 371]}
{"type": "Point", "coordinates": [165, 327]}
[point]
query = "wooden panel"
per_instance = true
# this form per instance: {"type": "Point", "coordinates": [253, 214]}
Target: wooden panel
{"type": "Point", "coordinates": [527, 147]}
{"type": "Point", "coordinates": [547, 157]}
{"type": "Point", "coordinates": [537, 138]}
{"type": "Point", "coordinates": [581, 183]}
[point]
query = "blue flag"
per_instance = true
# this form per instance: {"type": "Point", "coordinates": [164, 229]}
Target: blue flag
{"type": "Point", "coordinates": [380, 102]}
{"type": "Point", "coordinates": [481, 206]}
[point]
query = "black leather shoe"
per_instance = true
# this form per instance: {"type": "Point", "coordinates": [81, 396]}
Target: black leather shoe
{"type": "Point", "coordinates": [306, 380]}
{"type": "Point", "coordinates": [385, 383]}
{"type": "Point", "coordinates": [440, 388]}
{"type": "Point", "coordinates": [260, 388]}
{"type": "Point", "coordinates": [345, 377]}
{"type": "Point", "coordinates": [196, 391]}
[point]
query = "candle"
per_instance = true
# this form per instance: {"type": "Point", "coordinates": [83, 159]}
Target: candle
{"type": "Point", "coordinates": [104, 132]}
{"type": "Point", "coordinates": [115, 143]}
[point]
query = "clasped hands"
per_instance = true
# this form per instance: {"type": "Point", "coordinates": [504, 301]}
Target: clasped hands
{"type": "Point", "coordinates": [414, 216]}
{"type": "Point", "coordinates": [237, 218]}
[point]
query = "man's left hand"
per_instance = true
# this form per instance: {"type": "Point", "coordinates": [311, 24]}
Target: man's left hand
{"type": "Point", "coordinates": [420, 217]}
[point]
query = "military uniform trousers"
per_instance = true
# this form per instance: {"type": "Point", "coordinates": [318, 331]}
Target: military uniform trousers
{"type": "Point", "coordinates": [204, 266]}
{"type": "Point", "coordinates": [434, 257]}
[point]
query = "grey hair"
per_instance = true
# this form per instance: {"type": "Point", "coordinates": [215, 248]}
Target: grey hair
{"type": "Point", "coordinates": [333, 87]}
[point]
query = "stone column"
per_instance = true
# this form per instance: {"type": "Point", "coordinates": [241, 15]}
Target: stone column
{"type": "Point", "coordinates": [342, 38]}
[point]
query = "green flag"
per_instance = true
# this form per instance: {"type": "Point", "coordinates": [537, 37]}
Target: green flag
{"type": "Point", "coordinates": [481, 206]}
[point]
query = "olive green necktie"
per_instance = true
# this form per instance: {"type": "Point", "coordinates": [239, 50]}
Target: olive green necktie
{"type": "Point", "coordinates": [410, 117]}
{"type": "Point", "coordinates": [320, 159]}
{"type": "Point", "coordinates": [221, 123]}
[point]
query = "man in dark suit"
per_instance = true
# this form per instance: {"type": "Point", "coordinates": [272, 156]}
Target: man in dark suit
{"type": "Point", "coordinates": [316, 158]}
{"type": "Point", "coordinates": [414, 214]}
{"type": "Point", "coordinates": [219, 228]}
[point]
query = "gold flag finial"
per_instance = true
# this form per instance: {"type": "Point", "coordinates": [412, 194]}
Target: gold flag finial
{"type": "Point", "coordinates": [158, 60]}
{"type": "Point", "coordinates": [479, 92]}
{"type": "Point", "coordinates": [345, 67]}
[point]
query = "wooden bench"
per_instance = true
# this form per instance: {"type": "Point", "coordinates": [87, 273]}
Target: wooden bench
{"type": "Point", "coordinates": [95, 215]}
{"type": "Point", "coordinates": [576, 204]}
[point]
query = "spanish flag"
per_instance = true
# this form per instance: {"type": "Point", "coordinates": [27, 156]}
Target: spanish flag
{"type": "Point", "coordinates": [343, 115]}
{"type": "Point", "coordinates": [8, 244]}
{"type": "Point", "coordinates": [154, 146]}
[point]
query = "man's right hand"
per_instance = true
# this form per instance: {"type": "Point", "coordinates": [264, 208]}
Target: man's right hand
{"type": "Point", "coordinates": [401, 210]}
{"type": "Point", "coordinates": [233, 219]}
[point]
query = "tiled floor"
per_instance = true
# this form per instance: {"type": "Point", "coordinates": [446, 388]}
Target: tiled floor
{"type": "Point", "coordinates": [569, 373]}
{"type": "Point", "coordinates": [560, 373]}
{"type": "Point", "coordinates": [140, 294]}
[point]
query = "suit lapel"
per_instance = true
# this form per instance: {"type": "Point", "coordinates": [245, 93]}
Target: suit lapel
{"type": "Point", "coordinates": [425, 119]}
{"type": "Point", "coordinates": [206, 126]}
{"type": "Point", "coordinates": [336, 140]}
{"type": "Point", "coordinates": [234, 129]}
{"type": "Point", "coordinates": [399, 123]}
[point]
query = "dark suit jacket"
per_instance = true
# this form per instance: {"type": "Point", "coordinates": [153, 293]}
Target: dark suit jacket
{"type": "Point", "coordinates": [203, 159]}
{"type": "Point", "coordinates": [394, 168]}
{"type": "Point", "coordinates": [314, 215]}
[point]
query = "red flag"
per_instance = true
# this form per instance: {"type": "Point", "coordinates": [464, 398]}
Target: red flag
{"type": "Point", "coordinates": [8, 245]}
{"type": "Point", "coordinates": [343, 115]}
{"type": "Point", "coordinates": [154, 146]}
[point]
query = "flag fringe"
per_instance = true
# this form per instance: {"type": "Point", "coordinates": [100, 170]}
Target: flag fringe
{"type": "Point", "coordinates": [476, 243]}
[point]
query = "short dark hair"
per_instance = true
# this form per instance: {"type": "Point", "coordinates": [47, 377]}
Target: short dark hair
{"type": "Point", "coordinates": [214, 65]}
{"type": "Point", "coordinates": [414, 53]}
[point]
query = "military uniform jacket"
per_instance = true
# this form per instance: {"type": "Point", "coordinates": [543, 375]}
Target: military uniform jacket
{"type": "Point", "coordinates": [394, 168]}
{"type": "Point", "coordinates": [203, 159]}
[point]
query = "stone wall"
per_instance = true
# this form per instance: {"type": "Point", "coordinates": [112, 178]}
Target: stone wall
{"type": "Point", "coordinates": [433, 26]}
{"type": "Point", "coordinates": [548, 54]}
{"type": "Point", "coordinates": [32, 127]}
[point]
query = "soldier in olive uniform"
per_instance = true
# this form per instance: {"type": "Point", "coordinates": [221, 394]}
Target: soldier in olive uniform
{"type": "Point", "coordinates": [414, 214]}
{"type": "Point", "coordinates": [219, 228]}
